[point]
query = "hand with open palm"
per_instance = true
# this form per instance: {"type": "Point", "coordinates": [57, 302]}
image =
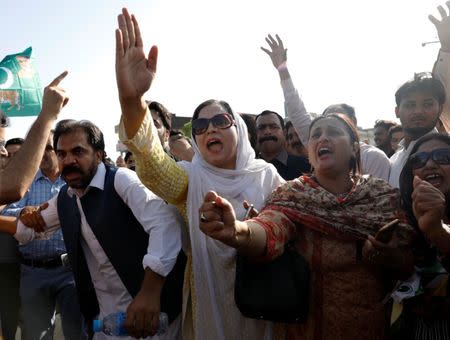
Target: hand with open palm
{"type": "Point", "coordinates": [134, 71]}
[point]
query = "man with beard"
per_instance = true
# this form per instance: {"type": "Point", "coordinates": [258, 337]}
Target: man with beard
{"type": "Point", "coordinates": [106, 215]}
{"type": "Point", "coordinates": [44, 280]}
{"type": "Point", "coordinates": [271, 146]}
{"type": "Point", "coordinates": [419, 106]}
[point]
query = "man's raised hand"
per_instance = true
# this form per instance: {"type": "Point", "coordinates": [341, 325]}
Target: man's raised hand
{"type": "Point", "coordinates": [55, 97]}
{"type": "Point", "coordinates": [277, 52]}
{"type": "Point", "coordinates": [443, 27]}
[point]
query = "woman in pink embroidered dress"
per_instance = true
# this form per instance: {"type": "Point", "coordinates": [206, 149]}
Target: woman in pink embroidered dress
{"type": "Point", "coordinates": [334, 215]}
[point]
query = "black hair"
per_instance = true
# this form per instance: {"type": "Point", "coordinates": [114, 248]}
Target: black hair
{"type": "Point", "coordinates": [341, 108]}
{"type": "Point", "coordinates": [407, 177]}
{"type": "Point", "coordinates": [385, 124]}
{"type": "Point", "coordinates": [162, 112]}
{"type": "Point", "coordinates": [268, 112]}
{"type": "Point", "coordinates": [355, 162]}
{"type": "Point", "coordinates": [250, 121]}
{"type": "Point", "coordinates": [14, 141]}
{"type": "Point", "coordinates": [394, 129]}
{"type": "Point", "coordinates": [127, 156]}
{"type": "Point", "coordinates": [422, 82]}
{"type": "Point", "coordinates": [94, 135]}
{"type": "Point", "coordinates": [206, 103]}
{"type": "Point", "coordinates": [4, 120]}
{"type": "Point", "coordinates": [287, 127]}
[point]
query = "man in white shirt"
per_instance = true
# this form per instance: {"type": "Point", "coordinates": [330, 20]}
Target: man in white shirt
{"type": "Point", "coordinates": [419, 105]}
{"type": "Point", "coordinates": [106, 215]}
{"type": "Point", "coordinates": [421, 101]}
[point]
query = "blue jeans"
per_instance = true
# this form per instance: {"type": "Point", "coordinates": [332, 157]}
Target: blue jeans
{"type": "Point", "coordinates": [40, 290]}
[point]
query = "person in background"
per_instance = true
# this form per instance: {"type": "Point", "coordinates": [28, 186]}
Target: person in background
{"type": "Point", "coordinates": [13, 145]}
{"type": "Point", "coordinates": [4, 122]}
{"type": "Point", "coordinates": [44, 281]}
{"type": "Point", "coordinates": [419, 105]}
{"type": "Point", "coordinates": [293, 144]}
{"type": "Point", "coordinates": [422, 103]}
{"type": "Point", "coordinates": [425, 189]}
{"type": "Point", "coordinates": [349, 266]}
{"type": "Point", "coordinates": [120, 162]}
{"type": "Point", "coordinates": [129, 161]}
{"type": "Point", "coordinates": [272, 146]}
{"type": "Point", "coordinates": [396, 135]}
{"type": "Point", "coordinates": [381, 136]}
{"type": "Point", "coordinates": [163, 122]}
{"type": "Point", "coordinates": [9, 261]}
{"type": "Point", "coordinates": [180, 146]}
{"type": "Point", "coordinates": [251, 128]}
{"type": "Point", "coordinates": [373, 160]}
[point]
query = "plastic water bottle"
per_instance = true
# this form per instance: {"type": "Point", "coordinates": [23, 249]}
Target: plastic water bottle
{"type": "Point", "coordinates": [113, 324]}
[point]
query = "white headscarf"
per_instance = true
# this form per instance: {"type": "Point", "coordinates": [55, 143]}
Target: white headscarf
{"type": "Point", "coordinates": [213, 263]}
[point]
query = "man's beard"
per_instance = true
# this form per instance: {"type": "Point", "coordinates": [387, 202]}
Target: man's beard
{"type": "Point", "coordinates": [417, 132]}
{"type": "Point", "coordinates": [85, 178]}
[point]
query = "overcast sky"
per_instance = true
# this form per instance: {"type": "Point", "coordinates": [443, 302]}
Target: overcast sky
{"type": "Point", "coordinates": [353, 51]}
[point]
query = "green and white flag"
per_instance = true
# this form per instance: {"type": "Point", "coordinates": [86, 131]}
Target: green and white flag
{"type": "Point", "coordinates": [20, 88]}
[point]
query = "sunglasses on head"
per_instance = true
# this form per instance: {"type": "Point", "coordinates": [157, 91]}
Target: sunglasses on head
{"type": "Point", "coordinates": [220, 121]}
{"type": "Point", "coordinates": [439, 156]}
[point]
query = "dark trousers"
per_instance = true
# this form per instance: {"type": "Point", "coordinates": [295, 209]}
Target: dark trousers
{"type": "Point", "coordinates": [9, 298]}
{"type": "Point", "coordinates": [40, 290]}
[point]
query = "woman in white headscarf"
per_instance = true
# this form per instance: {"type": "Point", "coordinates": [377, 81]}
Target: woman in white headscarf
{"type": "Point", "coordinates": [224, 161]}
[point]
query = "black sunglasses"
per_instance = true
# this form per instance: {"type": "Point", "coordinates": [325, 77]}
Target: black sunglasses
{"type": "Point", "coordinates": [439, 156]}
{"type": "Point", "coordinates": [220, 121]}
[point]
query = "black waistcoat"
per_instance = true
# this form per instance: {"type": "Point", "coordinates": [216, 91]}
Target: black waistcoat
{"type": "Point", "coordinates": [122, 238]}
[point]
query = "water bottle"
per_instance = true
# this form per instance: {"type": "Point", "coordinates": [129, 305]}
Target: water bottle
{"type": "Point", "coordinates": [113, 324]}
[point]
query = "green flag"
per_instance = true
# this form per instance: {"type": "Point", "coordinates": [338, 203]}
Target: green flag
{"type": "Point", "coordinates": [20, 88]}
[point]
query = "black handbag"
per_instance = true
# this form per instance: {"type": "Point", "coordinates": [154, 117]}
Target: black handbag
{"type": "Point", "coordinates": [277, 291]}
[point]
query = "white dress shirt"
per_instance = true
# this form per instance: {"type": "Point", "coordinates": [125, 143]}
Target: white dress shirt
{"type": "Point", "coordinates": [374, 161]}
{"type": "Point", "coordinates": [160, 220]}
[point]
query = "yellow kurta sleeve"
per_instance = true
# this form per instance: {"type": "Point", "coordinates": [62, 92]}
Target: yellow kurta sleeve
{"type": "Point", "coordinates": [156, 169]}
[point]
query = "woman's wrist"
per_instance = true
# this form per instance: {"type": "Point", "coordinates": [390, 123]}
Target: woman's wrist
{"type": "Point", "coordinates": [250, 238]}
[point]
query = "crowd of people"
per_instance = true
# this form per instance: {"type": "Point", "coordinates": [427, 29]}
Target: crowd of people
{"type": "Point", "coordinates": [160, 230]}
